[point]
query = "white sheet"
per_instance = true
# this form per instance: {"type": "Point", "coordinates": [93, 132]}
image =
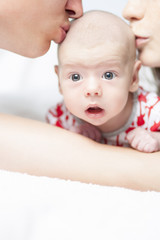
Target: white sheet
{"type": "Point", "coordinates": [35, 208]}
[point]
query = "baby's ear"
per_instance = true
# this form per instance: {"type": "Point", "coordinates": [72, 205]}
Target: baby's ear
{"type": "Point", "coordinates": [135, 78]}
{"type": "Point", "coordinates": [56, 69]}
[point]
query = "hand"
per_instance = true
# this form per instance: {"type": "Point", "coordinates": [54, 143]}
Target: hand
{"type": "Point", "coordinates": [89, 131]}
{"type": "Point", "coordinates": [143, 140]}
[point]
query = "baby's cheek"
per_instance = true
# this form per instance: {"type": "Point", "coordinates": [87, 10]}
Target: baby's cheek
{"type": "Point", "coordinates": [119, 103]}
{"type": "Point", "coordinates": [72, 106]}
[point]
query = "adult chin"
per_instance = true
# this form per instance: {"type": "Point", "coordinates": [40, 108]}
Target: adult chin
{"type": "Point", "coordinates": [30, 50]}
{"type": "Point", "coordinates": [35, 51]}
{"type": "Point", "coordinates": [149, 59]}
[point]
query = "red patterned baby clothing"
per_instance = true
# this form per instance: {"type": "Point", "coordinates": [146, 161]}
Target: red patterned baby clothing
{"type": "Point", "coordinates": [145, 114]}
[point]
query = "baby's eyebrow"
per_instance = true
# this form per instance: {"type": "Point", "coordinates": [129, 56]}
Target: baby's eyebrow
{"type": "Point", "coordinates": [69, 65]}
{"type": "Point", "coordinates": [110, 63]}
{"type": "Point", "coordinates": [107, 63]}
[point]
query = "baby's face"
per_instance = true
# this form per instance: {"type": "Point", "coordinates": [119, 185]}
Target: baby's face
{"type": "Point", "coordinates": [95, 81]}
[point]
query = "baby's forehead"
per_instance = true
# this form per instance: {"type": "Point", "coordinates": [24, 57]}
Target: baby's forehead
{"type": "Point", "coordinates": [99, 22]}
{"type": "Point", "coordinates": [99, 28]}
{"type": "Point", "coordinates": [94, 55]}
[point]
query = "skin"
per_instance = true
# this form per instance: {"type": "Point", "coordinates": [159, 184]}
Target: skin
{"type": "Point", "coordinates": [28, 27]}
{"type": "Point", "coordinates": [97, 163]}
{"type": "Point", "coordinates": [85, 57]}
{"type": "Point", "coordinates": [90, 57]}
{"type": "Point", "coordinates": [144, 141]}
{"type": "Point", "coordinates": [144, 18]}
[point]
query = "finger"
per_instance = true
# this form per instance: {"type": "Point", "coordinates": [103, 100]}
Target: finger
{"type": "Point", "coordinates": [98, 136]}
{"type": "Point", "coordinates": [91, 131]}
{"type": "Point", "coordinates": [135, 142]}
{"type": "Point", "coordinates": [141, 146]}
{"type": "Point", "coordinates": [130, 135]}
{"type": "Point", "coordinates": [85, 132]}
{"type": "Point", "coordinates": [151, 147]}
{"type": "Point", "coordinates": [75, 129]}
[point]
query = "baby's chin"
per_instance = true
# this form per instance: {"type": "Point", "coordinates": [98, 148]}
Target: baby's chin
{"type": "Point", "coordinates": [94, 122]}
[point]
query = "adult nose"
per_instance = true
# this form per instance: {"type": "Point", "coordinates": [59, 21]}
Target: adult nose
{"type": "Point", "coordinates": [93, 89]}
{"type": "Point", "coordinates": [134, 10]}
{"type": "Point", "coordinates": [74, 8]}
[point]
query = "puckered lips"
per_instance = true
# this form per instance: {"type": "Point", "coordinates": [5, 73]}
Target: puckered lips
{"type": "Point", "coordinates": [94, 111]}
{"type": "Point", "coordinates": [141, 41]}
{"type": "Point", "coordinates": [64, 30]}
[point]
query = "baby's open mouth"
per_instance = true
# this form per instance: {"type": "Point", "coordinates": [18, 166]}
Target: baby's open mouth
{"type": "Point", "coordinates": [94, 110]}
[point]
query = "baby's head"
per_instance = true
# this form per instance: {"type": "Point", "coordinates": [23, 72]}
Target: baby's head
{"type": "Point", "coordinates": [97, 60]}
{"type": "Point", "coordinates": [97, 31]}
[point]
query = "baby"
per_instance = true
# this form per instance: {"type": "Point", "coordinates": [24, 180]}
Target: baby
{"type": "Point", "coordinates": [98, 77]}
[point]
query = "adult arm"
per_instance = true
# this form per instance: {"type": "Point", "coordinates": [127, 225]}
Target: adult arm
{"type": "Point", "coordinates": [40, 149]}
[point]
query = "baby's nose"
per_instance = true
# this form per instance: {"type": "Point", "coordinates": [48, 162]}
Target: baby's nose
{"type": "Point", "coordinates": [92, 92]}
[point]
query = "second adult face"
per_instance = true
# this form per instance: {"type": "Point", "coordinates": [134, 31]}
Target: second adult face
{"type": "Point", "coordinates": [144, 18]}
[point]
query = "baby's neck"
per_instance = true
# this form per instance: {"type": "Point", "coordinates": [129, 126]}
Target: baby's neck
{"type": "Point", "coordinates": [121, 119]}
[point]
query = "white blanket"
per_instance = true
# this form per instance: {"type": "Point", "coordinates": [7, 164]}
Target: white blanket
{"type": "Point", "coordinates": [35, 208]}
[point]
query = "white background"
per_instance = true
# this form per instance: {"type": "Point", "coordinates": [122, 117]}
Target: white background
{"type": "Point", "coordinates": [28, 87]}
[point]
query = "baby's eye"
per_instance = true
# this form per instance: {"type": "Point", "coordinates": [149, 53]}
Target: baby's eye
{"type": "Point", "coordinates": [75, 77]}
{"type": "Point", "coordinates": [109, 75]}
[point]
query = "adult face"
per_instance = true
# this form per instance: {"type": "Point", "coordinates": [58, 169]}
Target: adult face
{"type": "Point", "coordinates": [144, 17]}
{"type": "Point", "coordinates": [28, 27]}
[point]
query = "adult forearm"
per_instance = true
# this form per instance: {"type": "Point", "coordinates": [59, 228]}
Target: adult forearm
{"type": "Point", "coordinates": [40, 149]}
